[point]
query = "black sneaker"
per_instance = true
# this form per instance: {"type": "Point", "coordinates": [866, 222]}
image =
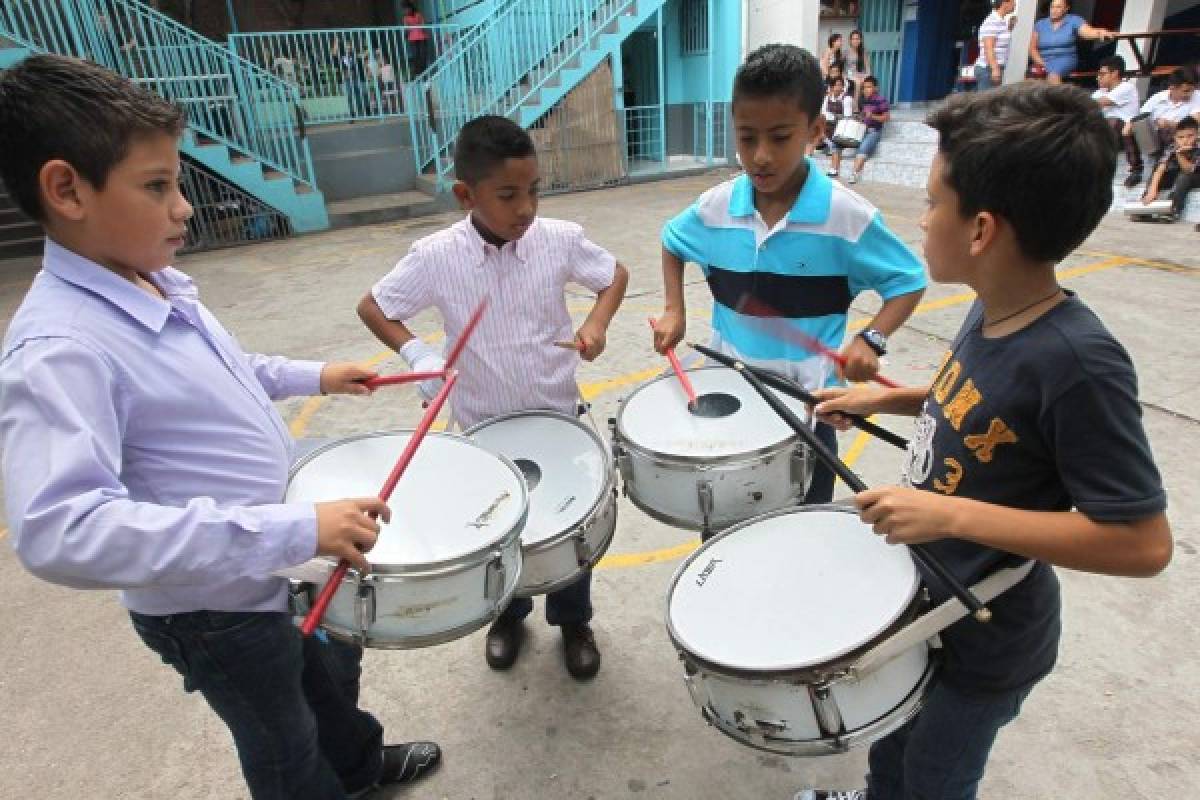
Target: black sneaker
{"type": "Point", "coordinates": [405, 763]}
{"type": "Point", "coordinates": [831, 794]}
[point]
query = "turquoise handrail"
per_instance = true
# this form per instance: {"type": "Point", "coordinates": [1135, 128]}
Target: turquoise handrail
{"type": "Point", "coordinates": [344, 74]}
{"type": "Point", "coordinates": [227, 98]}
{"type": "Point", "coordinates": [498, 66]}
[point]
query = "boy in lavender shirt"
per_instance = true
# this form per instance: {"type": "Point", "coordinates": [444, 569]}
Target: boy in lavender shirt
{"type": "Point", "coordinates": [142, 451]}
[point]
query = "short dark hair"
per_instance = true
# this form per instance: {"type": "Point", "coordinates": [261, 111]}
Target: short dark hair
{"type": "Point", "coordinates": [1188, 124]}
{"type": "Point", "coordinates": [1115, 63]}
{"type": "Point", "coordinates": [781, 70]}
{"type": "Point", "coordinates": [871, 80]}
{"type": "Point", "coordinates": [485, 143]}
{"type": "Point", "coordinates": [55, 107]}
{"type": "Point", "coordinates": [1040, 156]}
{"type": "Point", "coordinates": [1182, 75]}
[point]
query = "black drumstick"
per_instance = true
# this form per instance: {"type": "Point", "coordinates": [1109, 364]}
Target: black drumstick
{"type": "Point", "coordinates": [931, 562]}
{"type": "Point", "coordinates": [791, 388]}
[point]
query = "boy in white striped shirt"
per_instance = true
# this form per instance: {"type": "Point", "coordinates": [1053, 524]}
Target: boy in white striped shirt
{"type": "Point", "coordinates": [522, 264]}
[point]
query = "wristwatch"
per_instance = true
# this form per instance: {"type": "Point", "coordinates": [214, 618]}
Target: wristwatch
{"type": "Point", "coordinates": [875, 340]}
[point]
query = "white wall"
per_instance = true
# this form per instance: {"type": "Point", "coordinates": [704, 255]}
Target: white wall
{"type": "Point", "coordinates": [783, 21]}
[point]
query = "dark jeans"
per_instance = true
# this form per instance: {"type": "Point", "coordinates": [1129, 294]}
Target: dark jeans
{"type": "Point", "coordinates": [1132, 154]}
{"type": "Point", "coordinates": [1183, 184]}
{"type": "Point", "coordinates": [570, 605]}
{"type": "Point", "coordinates": [941, 753]}
{"type": "Point", "coordinates": [291, 703]}
{"type": "Point", "coordinates": [820, 490]}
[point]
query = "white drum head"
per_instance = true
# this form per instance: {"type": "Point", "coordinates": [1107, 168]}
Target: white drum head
{"type": "Point", "coordinates": [454, 499]}
{"type": "Point", "coordinates": [656, 416]}
{"type": "Point", "coordinates": [565, 465]}
{"type": "Point", "coordinates": [789, 591]}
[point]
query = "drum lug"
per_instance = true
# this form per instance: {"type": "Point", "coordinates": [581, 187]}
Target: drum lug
{"type": "Point", "coordinates": [583, 552]}
{"type": "Point", "coordinates": [704, 493]}
{"type": "Point", "coordinates": [802, 467]}
{"type": "Point", "coordinates": [829, 716]}
{"type": "Point", "coordinates": [364, 609]}
{"type": "Point", "coordinates": [494, 578]}
{"type": "Point", "coordinates": [764, 728]}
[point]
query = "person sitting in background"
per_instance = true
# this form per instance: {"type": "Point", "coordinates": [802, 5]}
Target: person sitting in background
{"type": "Point", "coordinates": [837, 71]}
{"type": "Point", "coordinates": [1055, 38]}
{"type": "Point", "coordinates": [1177, 171]}
{"type": "Point", "coordinates": [874, 111]}
{"type": "Point", "coordinates": [1118, 100]}
{"type": "Point", "coordinates": [839, 104]}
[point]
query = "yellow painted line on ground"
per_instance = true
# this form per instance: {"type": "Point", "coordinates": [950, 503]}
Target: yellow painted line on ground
{"type": "Point", "coordinates": [299, 425]}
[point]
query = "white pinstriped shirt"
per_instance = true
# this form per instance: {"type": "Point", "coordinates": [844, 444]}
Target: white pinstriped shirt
{"type": "Point", "coordinates": [511, 363]}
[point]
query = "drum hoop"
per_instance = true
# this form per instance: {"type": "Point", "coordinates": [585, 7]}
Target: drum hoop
{"type": "Point", "coordinates": [606, 490]}
{"type": "Point", "coordinates": [660, 458]}
{"type": "Point", "coordinates": [813, 673]}
{"type": "Point", "coordinates": [428, 568]}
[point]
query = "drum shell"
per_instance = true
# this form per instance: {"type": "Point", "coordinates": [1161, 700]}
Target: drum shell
{"type": "Point", "coordinates": [560, 560]}
{"type": "Point", "coordinates": [403, 606]}
{"type": "Point", "coordinates": [819, 710]}
{"type": "Point", "coordinates": [669, 488]}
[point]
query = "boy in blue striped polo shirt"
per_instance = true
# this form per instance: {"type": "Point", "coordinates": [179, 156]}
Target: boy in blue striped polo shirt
{"type": "Point", "coordinates": [784, 239]}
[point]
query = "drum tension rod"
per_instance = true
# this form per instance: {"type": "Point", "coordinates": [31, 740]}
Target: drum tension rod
{"type": "Point", "coordinates": [927, 559]}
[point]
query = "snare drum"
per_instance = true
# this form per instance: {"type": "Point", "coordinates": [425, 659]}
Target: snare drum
{"type": "Point", "coordinates": [849, 132]}
{"type": "Point", "coordinates": [732, 460]}
{"type": "Point", "coordinates": [447, 563]}
{"type": "Point", "coordinates": [572, 494]}
{"type": "Point", "coordinates": [771, 617]}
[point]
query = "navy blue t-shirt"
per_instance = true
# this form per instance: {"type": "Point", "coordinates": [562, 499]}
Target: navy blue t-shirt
{"type": "Point", "coordinates": [1044, 419]}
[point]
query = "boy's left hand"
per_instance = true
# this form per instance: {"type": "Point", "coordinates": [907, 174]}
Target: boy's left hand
{"type": "Point", "coordinates": [861, 361]}
{"type": "Point", "coordinates": [590, 340]}
{"type": "Point", "coordinates": [907, 516]}
{"type": "Point", "coordinates": [345, 377]}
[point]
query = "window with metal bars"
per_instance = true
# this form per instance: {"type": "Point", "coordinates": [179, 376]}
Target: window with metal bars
{"type": "Point", "coordinates": [693, 24]}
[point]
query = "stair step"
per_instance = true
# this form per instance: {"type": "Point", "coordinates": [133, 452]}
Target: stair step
{"type": "Point", "coordinates": [379, 208]}
{"type": "Point", "coordinates": [19, 229]}
{"type": "Point", "coordinates": [20, 248]}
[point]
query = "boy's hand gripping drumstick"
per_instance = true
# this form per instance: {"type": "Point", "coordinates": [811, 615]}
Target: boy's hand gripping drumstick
{"type": "Point", "coordinates": [335, 580]}
{"type": "Point", "coordinates": [684, 381]}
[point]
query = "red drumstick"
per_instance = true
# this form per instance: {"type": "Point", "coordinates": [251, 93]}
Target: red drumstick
{"type": "Point", "coordinates": [684, 381]}
{"type": "Point", "coordinates": [467, 330]}
{"type": "Point", "coordinates": [335, 580]}
{"type": "Point", "coordinates": [812, 344]}
{"type": "Point", "coordinates": [404, 377]}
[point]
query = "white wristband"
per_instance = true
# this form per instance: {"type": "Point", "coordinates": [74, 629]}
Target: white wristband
{"type": "Point", "coordinates": [415, 350]}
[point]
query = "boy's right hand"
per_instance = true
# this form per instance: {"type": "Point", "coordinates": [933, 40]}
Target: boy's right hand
{"type": "Point", "coordinates": [1149, 197]}
{"type": "Point", "coordinates": [669, 330]}
{"type": "Point", "coordinates": [863, 400]}
{"type": "Point", "coordinates": [348, 528]}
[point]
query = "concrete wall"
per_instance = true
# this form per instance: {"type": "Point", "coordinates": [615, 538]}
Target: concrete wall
{"type": "Point", "coordinates": [787, 21]}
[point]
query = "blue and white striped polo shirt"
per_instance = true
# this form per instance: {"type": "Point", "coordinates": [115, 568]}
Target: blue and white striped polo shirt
{"type": "Point", "coordinates": [806, 270]}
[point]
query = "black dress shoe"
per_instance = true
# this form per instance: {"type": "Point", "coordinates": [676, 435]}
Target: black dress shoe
{"type": "Point", "coordinates": [504, 642]}
{"type": "Point", "coordinates": [405, 763]}
{"type": "Point", "coordinates": [580, 652]}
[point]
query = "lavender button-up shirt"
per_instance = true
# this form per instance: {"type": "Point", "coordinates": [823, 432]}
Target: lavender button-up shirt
{"type": "Point", "coordinates": [141, 449]}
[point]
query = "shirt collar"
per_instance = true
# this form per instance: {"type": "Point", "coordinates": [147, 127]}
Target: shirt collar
{"type": "Point", "coordinates": [479, 246]}
{"type": "Point", "coordinates": [86, 274]}
{"type": "Point", "coordinates": [811, 205]}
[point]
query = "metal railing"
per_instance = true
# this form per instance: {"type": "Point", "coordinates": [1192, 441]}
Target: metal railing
{"type": "Point", "coordinates": [227, 98]}
{"type": "Point", "coordinates": [496, 67]}
{"type": "Point", "coordinates": [223, 215]}
{"type": "Point", "coordinates": [715, 147]}
{"type": "Point", "coordinates": [347, 73]}
{"type": "Point", "coordinates": [644, 141]}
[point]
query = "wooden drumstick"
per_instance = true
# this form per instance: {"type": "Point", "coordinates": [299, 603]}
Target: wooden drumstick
{"type": "Point", "coordinates": [565, 345]}
{"type": "Point", "coordinates": [930, 561]}
{"type": "Point", "coordinates": [317, 612]}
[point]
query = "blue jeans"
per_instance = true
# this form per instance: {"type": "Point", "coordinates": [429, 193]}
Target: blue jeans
{"type": "Point", "coordinates": [870, 141]}
{"type": "Point", "coordinates": [983, 78]}
{"type": "Point", "coordinates": [291, 703]}
{"type": "Point", "coordinates": [570, 605]}
{"type": "Point", "coordinates": [820, 489]}
{"type": "Point", "coordinates": [941, 753]}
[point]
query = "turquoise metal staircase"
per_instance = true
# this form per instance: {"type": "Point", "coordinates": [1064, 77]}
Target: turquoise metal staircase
{"type": "Point", "coordinates": [518, 64]}
{"type": "Point", "coordinates": [242, 120]}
